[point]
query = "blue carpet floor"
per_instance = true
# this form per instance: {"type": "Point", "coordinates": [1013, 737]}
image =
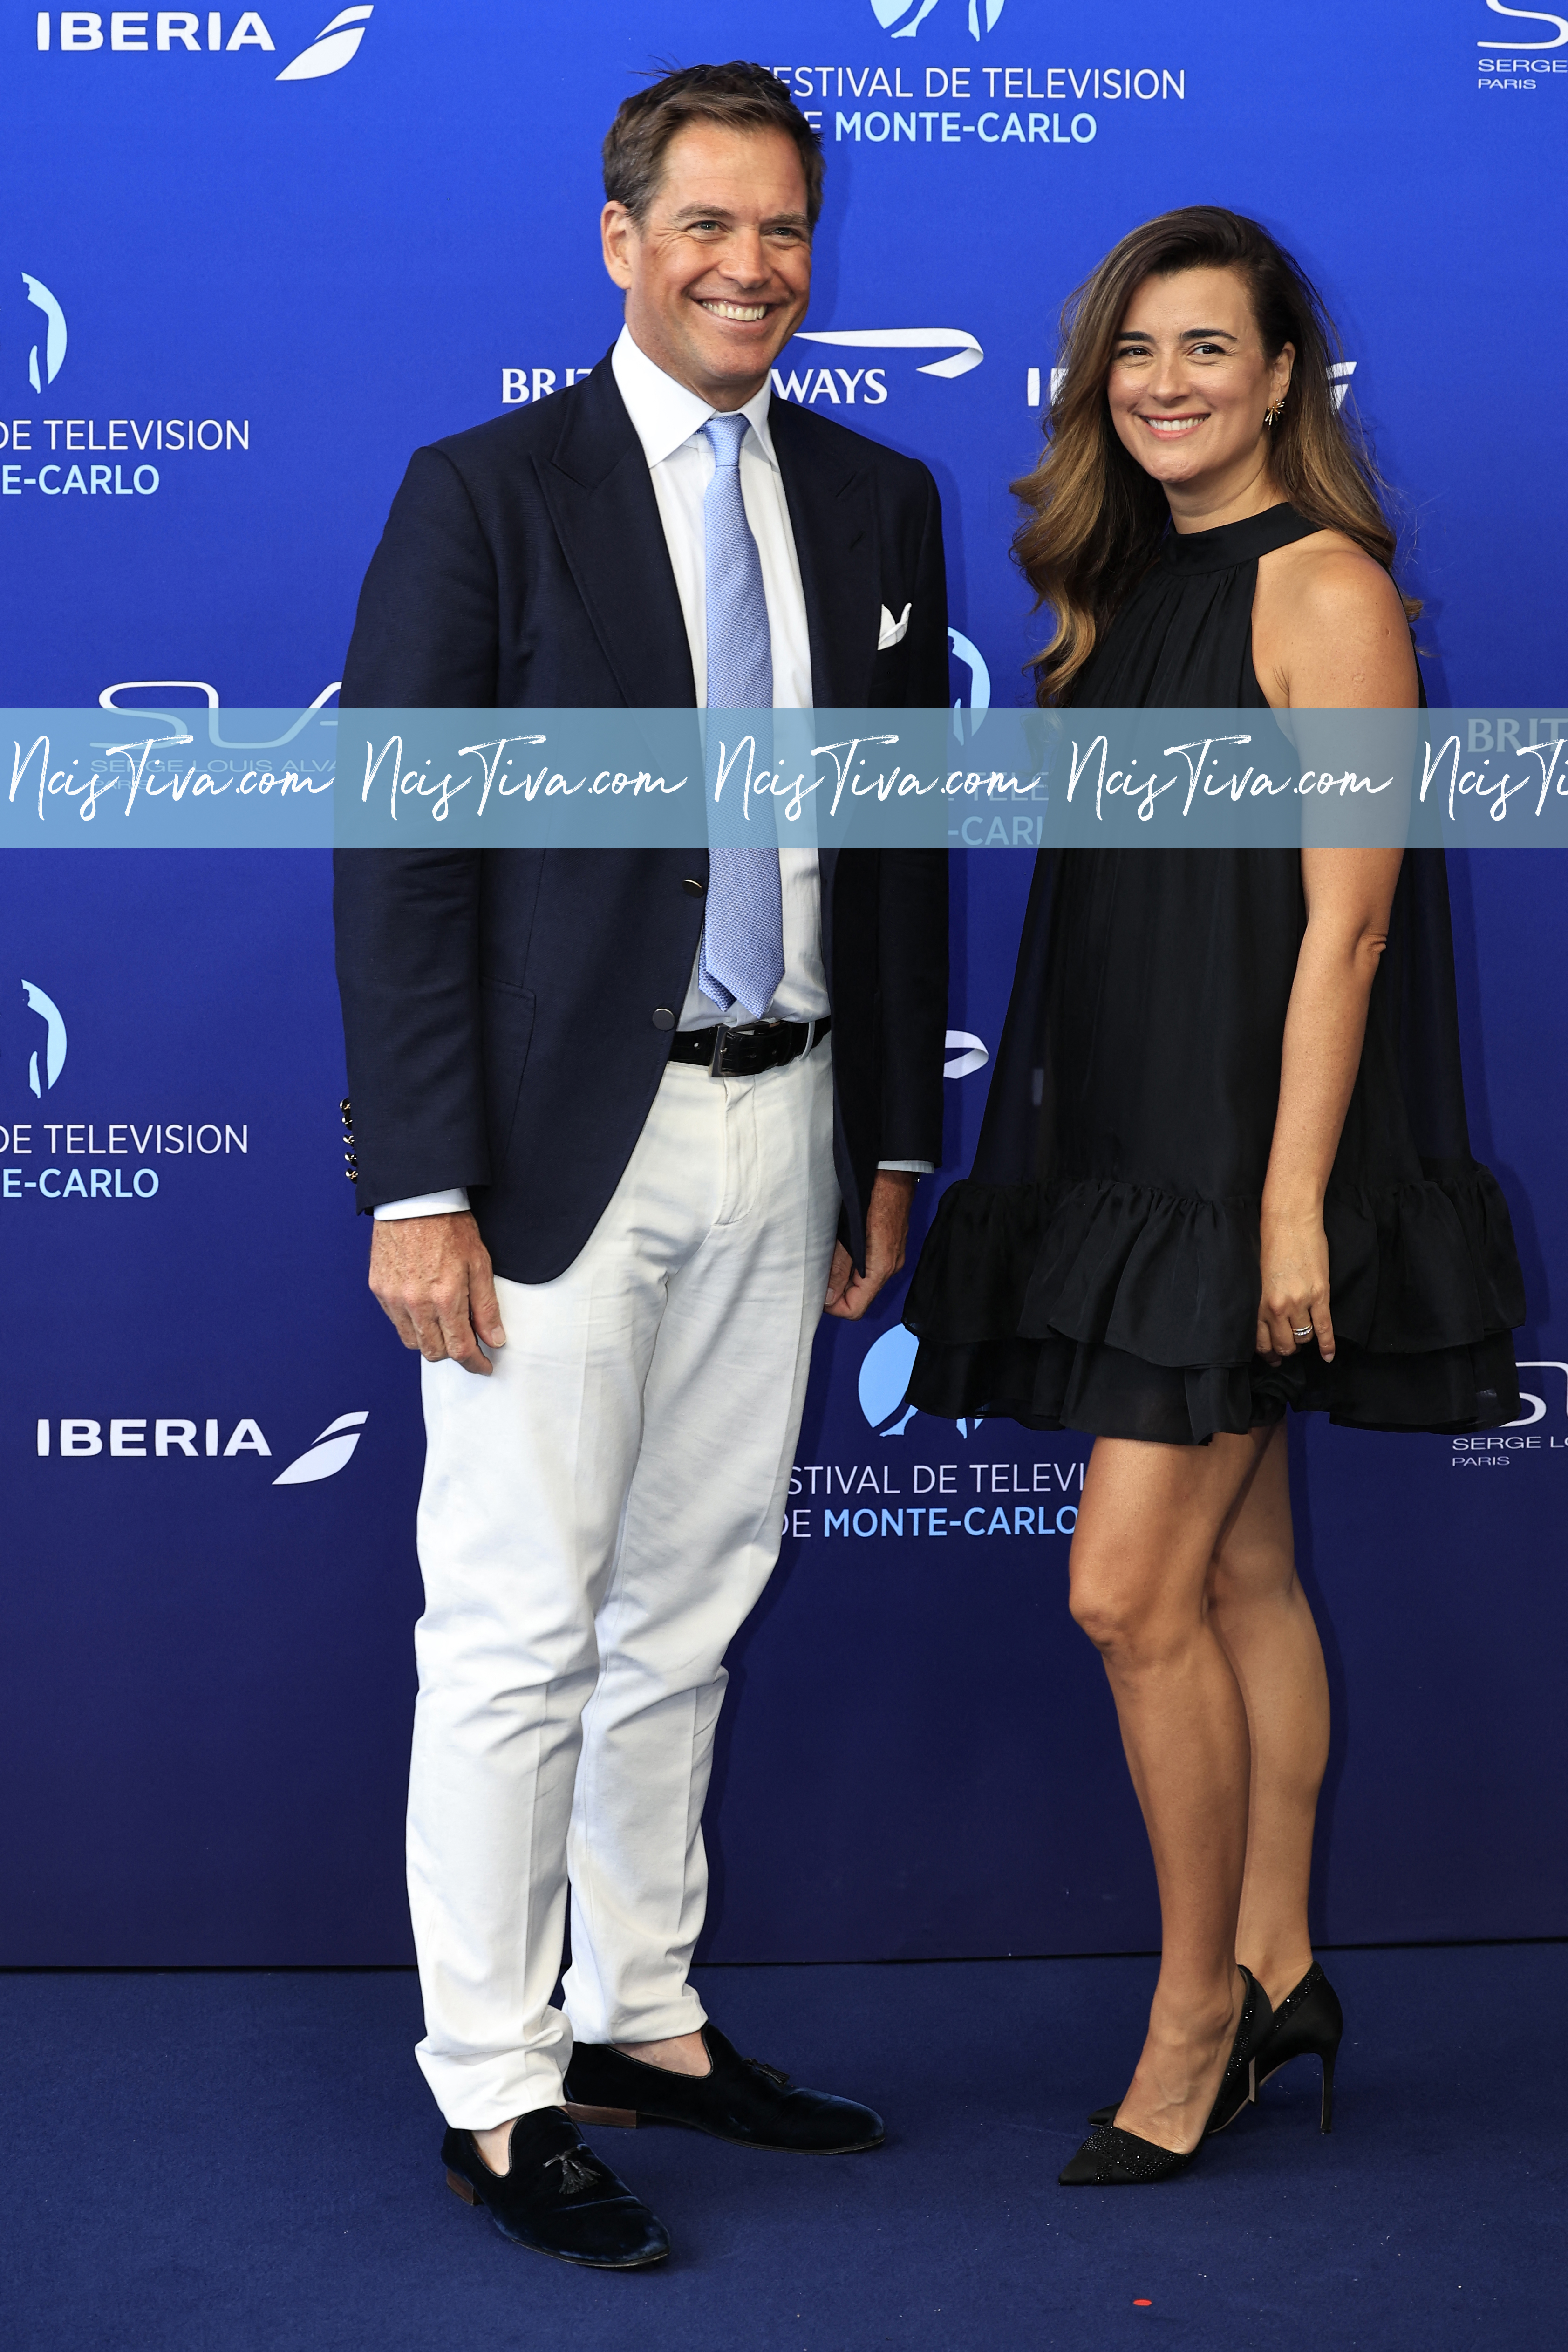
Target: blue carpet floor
{"type": "Point", "coordinates": [248, 2163]}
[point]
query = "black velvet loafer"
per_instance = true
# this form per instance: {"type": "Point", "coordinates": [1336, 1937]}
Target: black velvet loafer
{"type": "Point", "coordinates": [557, 2198]}
{"type": "Point", "coordinates": [737, 2099]}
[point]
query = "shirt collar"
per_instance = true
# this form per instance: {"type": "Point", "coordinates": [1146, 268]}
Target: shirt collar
{"type": "Point", "coordinates": [665, 414]}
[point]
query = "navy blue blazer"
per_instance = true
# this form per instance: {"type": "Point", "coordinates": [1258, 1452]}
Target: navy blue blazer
{"type": "Point", "coordinates": [507, 1012]}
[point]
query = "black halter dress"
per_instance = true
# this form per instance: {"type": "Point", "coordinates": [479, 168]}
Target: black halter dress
{"type": "Point", "coordinates": [1099, 1270]}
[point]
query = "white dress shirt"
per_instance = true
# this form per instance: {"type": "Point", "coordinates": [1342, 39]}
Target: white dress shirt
{"type": "Point", "coordinates": [668, 419]}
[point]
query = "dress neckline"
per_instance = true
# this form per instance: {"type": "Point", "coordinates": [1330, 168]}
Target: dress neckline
{"type": "Point", "coordinates": [1234, 544]}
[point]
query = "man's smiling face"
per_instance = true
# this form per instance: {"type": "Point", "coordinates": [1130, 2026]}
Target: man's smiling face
{"type": "Point", "coordinates": [718, 275]}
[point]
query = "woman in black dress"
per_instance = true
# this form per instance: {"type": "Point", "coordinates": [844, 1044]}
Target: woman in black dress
{"type": "Point", "coordinates": [1225, 1167]}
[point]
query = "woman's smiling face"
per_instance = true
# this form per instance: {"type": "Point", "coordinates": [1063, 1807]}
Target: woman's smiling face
{"type": "Point", "coordinates": [1189, 382]}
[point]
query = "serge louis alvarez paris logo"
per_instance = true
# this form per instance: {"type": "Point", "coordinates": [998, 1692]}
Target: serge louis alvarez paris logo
{"type": "Point", "coordinates": [1518, 50]}
{"type": "Point", "coordinates": [179, 32]}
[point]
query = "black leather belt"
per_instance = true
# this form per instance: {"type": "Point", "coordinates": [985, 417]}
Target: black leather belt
{"type": "Point", "coordinates": [745, 1052]}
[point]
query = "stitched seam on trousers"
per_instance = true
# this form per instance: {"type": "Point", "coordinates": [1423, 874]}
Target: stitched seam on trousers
{"type": "Point", "coordinates": [738, 1200]}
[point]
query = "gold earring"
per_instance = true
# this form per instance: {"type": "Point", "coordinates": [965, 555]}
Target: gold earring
{"type": "Point", "coordinates": [1272, 415]}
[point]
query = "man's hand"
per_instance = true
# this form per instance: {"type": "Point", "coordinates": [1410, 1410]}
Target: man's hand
{"type": "Point", "coordinates": [432, 1277]}
{"type": "Point", "coordinates": [887, 1229]}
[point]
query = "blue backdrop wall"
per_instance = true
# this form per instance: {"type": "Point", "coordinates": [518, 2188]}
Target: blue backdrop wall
{"type": "Point", "coordinates": [250, 259]}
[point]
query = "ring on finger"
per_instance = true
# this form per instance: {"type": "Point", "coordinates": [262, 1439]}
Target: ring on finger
{"type": "Point", "coordinates": [1305, 1333]}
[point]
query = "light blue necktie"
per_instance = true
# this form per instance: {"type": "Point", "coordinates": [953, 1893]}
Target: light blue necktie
{"type": "Point", "coordinates": [743, 938]}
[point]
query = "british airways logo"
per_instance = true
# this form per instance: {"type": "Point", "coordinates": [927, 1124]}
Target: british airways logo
{"type": "Point", "coordinates": [964, 348]}
{"type": "Point", "coordinates": [840, 385]}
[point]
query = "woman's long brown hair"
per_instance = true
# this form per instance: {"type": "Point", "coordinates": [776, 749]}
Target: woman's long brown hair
{"type": "Point", "coordinates": [1094, 517]}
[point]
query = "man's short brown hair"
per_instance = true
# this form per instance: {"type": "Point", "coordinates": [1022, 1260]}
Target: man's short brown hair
{"type": "Point", "coordinates": [742, 97]}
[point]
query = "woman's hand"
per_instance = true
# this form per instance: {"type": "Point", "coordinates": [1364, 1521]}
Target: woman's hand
{"type": "Point", "coordinates": [1349, 894]}
{"type": "Point", "coordinates": [1295, 1264]}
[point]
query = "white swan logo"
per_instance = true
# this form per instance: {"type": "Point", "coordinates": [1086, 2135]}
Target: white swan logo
{"type": "Point", "coordinates": [334, 46]}
{"type": "Point", "coordinates": [54, 349]}
{"type": "Point", "coordinates": [982, 14]}
{"type": "Point", "coordinates": [49, 1013]}
{"type": "Point", "coordinates": [964, 347]}
{"type": "Point", "coordinates": [331, 1451]}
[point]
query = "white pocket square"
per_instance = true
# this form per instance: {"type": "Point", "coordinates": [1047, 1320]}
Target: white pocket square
{"type": "Point", "coordinates": [892, 632]}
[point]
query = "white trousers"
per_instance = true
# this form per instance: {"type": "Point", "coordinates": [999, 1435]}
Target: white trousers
{"type": "Point", "coordinates": [596, 1519]}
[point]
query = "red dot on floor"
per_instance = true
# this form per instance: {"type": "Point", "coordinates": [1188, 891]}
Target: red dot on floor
{"type": "Point", "coordinates": [1142, 2302]}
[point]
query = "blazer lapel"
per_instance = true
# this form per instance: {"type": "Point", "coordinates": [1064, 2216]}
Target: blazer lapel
{"type": "Point", "coordinates": [834, 531]}
{"type": "Point", "coordinates": [601, 500]}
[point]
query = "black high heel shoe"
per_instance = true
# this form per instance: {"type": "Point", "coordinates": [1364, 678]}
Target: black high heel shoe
{"type": "Point", "coordinates": [1308, 2024]}
{"type": "Point", "coordinates": [1113, 2159]}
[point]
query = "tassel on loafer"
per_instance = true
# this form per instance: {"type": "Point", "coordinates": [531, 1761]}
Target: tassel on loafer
{"type": "Point", "coordinates": [737, 2099]}
{"type": "Point", "coordinates": [556, 2197]}
{"type": "Point", "coordinates": [1113, 2159]}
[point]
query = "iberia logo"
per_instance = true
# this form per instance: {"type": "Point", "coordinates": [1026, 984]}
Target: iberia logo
{"type": "Point", "coordinates": [181, 32]}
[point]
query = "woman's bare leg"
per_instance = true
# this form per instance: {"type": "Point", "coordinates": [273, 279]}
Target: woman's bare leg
{"type": "Point", "coordinates": [1141, 1558]}
{"type": "Point", "coordinates": [1260, 1614]}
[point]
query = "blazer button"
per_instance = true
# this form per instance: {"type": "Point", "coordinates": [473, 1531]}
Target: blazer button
{"type": "Point", "coordinates": [663, 1018]}
{"type": "Point", "coordinates": [692, 887]}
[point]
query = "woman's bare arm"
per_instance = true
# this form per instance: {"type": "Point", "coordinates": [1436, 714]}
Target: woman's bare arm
{"type": "Point", "coordinates": [1328, 632]}
{"type": "Point", "coordinates": [1349, 894]}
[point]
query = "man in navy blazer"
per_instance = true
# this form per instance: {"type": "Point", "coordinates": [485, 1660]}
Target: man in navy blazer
{"type": "Point", "coordinates": [617, 1162]}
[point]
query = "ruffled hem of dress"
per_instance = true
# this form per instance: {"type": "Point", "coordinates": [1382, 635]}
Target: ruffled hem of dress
{"type": "Point", "coordinates": [1056, 1384]}
{"type": "Point", "coordinates": [1090, 1297]}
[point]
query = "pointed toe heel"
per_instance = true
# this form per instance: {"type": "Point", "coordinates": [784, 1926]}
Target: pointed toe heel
{"type": "Point", "coordinates": [1113, 2159]}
